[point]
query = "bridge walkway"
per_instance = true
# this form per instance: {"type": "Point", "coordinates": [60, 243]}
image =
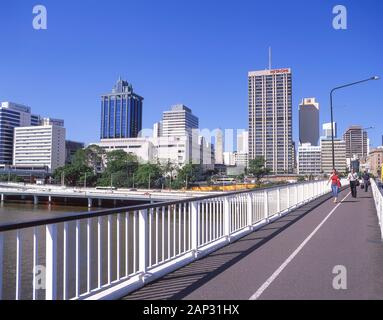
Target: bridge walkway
{"type": "Point", "coordinates": [295, 257]}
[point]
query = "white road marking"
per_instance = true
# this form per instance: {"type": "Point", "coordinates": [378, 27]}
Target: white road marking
{"type": "Point", "coordinates": [270, 280]}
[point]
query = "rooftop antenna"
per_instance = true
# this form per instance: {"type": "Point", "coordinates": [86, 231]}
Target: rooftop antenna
{"type": "Point", "coordinates": [269, 58]}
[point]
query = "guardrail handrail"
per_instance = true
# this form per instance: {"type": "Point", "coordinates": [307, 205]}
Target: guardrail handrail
{"type": "Point", "coordinates": [378, 199]}
{"type": "Point", "coordinates": [105, 212]}
{"type": "Point", "coordinates": [121, 249]}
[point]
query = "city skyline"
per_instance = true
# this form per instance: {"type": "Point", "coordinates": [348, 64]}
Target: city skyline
{"type": "Point", "coordinates": [88, 73]}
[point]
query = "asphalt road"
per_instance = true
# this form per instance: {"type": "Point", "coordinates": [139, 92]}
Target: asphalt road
{"type": "Point", "coordinates": [291, 258]}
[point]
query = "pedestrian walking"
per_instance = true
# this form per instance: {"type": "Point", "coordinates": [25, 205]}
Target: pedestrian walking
{"type": "Point", "coordinates": [366, 180]}
{"type": "Point", "coordinates": [335, 184]}
{"type": "Point", "coordinates": [353, 179]}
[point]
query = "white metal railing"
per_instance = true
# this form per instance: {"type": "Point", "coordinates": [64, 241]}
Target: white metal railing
{"type": "Point", "coordinates": [107, 254]}
{"type": "Point", "coordinates": [378, 198]}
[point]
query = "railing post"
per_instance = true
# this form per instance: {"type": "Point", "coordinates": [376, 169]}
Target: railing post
{"type": "Point", "coordinates": [143, 242]}
{"type": "Point", "coordinates": [51, 262]}
{"type": "Point", "coordinates": [249, 211]}
{"type": "Point", "coordinates": [296, 195]}
{"type": "Point", "coordinates": [279, 201]}
{"type": "Point", "coordinates": [288, 197]}
{"type": "Point", "coordinates": [311, 191]}
{"type": "Point", "coordinates": [266, 205]}
{"type": "Point", "coordinates": [226, 218]}
{"type": "Point", "coordinates": [194, 227]}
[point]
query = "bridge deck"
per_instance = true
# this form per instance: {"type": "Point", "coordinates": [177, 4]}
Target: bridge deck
{"type": "Point", "coordinates": [291, 258]}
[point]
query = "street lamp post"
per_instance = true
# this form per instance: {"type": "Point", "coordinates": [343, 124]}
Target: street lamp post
{"type": "Point", "coordinates": [331, 110]}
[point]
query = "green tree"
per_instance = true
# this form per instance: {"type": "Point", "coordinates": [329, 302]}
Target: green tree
{"type": "Point", "coordinates": [301, 179]}
{"type": "Point", "coordinates": [169, 170]}
{"type": "Point", "coordinates": [257, 168]}
{"type": "Point", "coordinates": [149, 172]}
{"type": "Point", "coordinates": [189, 173]}
{"type": "Point", "coordinates": [120, 167]}
{"type": "Point", "coordinates": [94, 157]}
{"type": "Point", "coordinates": [75, 174]}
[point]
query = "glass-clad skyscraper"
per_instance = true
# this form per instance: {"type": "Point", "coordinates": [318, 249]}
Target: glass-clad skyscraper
{"type": "Point", "coordinates": [121, 112]}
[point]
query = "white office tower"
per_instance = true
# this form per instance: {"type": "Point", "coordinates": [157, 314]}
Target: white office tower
{"type": "Point", "coordinates": [157, 129]}
{"type": "Point", "coordinates": [327, 130]}
{"type": "Point", "coordinates": [40, 146]}
{"type": "Point", "coordinates": [229, 159]}
{"type": "Point", "coordinates": [243, 142]}
{"type": "Point", "coordinates": [309, 159]}
{"type": "Point", "coordinates": [270, 118]}
{"type": "Point", "coordinates": [218, 146]}
{"type": "Point", "coordinates": [178, 121]}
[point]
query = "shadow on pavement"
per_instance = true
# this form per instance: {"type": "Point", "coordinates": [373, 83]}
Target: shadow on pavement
{"type": "Point", "coordinates": [180, 283]}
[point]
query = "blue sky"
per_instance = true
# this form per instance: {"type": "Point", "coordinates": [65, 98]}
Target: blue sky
{"type": "Point", "coordinates": [196, 52]}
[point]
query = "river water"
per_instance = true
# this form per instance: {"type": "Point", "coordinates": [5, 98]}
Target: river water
{"type": "Point", "coordinates": [19, 212]}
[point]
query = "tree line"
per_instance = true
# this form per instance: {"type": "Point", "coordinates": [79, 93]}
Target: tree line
{"type": "Point", "coordinates": [93, 166]}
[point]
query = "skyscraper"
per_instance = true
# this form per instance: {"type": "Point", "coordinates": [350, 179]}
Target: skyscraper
{"type": "Point", "coordinates": [270, 118]}
{"type": "Point", "coordinates": [356, 142]}
{"type": "Point", "coordinates": [309, 121]}
{"type": "Point", "coordinates": [178, 121]}
{"type": "Point", "coordinates": [327, 130]}
{"type": "Point", "coordinates": [219, 146]}
{"type": "Point", "coordinates": [243, 142]}
{"type": "Point", "coordinates": [121, 112]}
{"type": "Point", "coordinates": [13, 115]}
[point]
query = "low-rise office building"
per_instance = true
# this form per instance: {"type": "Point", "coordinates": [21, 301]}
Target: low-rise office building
{"type": "Point", "coordinates": [309, 159]}
{"type": "Point", "coordinates": [340, 155]}
{"type": "Point", "coordinates": [375, 161]}
{"type": "Point", "coordinates": [179, 150]}
{"type": "Point", "coordinates": [40, 146]}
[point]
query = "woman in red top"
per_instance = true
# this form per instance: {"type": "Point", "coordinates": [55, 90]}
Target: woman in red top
{"type": "Point", "coordinates": [335, 184]}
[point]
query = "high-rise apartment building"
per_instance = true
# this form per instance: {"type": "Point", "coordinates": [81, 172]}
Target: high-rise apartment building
{"type": "Point", "coordinates": [270, 118]}
{"type": "Point", "coordinates": [356, 142]}
{"type": "Point", "coordinates": [340, 155]}
{"type": "Point", "coordinates": [40, 146]}
{"type": "Point", "coordinates": [309, 121]}
{"type": "Point", "coordinates": [178, 121]}
{"type": "Point", "coordinates": [121, 112]}
{"type": "Point", "coordinates": [13, 115]}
